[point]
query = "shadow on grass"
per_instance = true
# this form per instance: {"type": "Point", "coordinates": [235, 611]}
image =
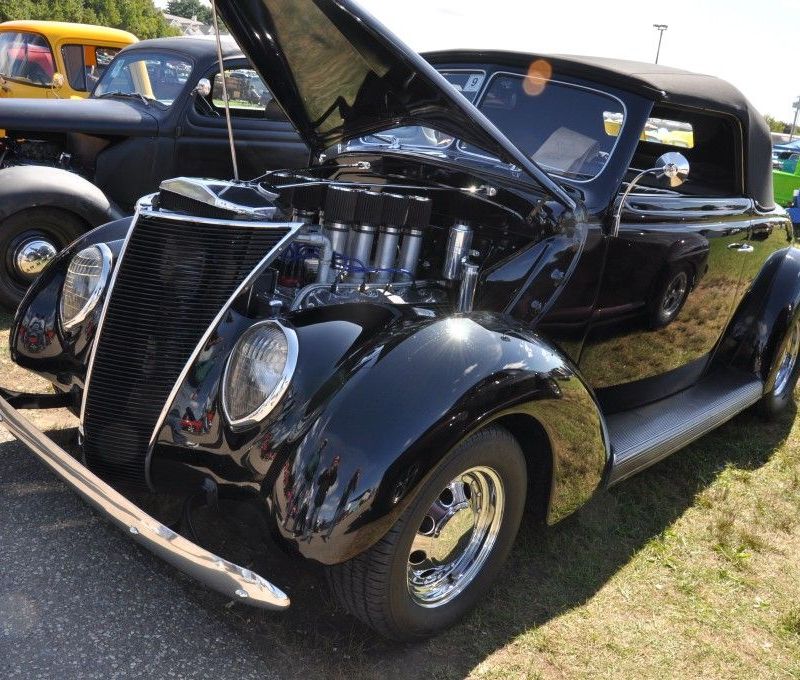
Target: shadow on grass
{"type": "Point", "coordinates": [551, 571]}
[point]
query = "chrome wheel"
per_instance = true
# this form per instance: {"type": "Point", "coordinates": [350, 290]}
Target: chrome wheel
{"type": "Point", "coordinates": [455, 537]}
{"type": "Point", "coordinates": [788, 360]}
{"type": "Point", "coordinates": [675, 293]}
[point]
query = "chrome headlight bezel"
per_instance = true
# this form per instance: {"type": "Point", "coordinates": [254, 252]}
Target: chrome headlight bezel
{"type": "Point", "coordinates": [279, 389]}
{"type": "Point", "coordinates": [106, 260]}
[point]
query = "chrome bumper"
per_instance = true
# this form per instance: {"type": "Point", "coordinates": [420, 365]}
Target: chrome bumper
{"type": "Point", "coordinates": [225, 577]}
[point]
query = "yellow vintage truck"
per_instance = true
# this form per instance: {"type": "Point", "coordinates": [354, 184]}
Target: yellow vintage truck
{"type": "Point", "coordinates": [55, 59]}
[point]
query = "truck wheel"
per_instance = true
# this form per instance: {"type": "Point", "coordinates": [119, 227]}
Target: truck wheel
{"type": "Point", "coordinates": [29, 239]}
{"type": "Point", "coordinates": [444, 551]}
{"type": "Point", "coordinates": [774, 402]}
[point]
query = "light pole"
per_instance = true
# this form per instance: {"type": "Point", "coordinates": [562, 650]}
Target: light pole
{"type": "Point", "coordinates": [796, 106]}
{"type": "Point", "coordinates": [660, 28]}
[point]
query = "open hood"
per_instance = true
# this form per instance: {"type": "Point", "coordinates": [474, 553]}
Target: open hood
{"type": "Point", "coordinates": [339, 74]}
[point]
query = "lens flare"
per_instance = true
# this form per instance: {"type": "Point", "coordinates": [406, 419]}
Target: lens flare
{"type": "Point", "coordinates": [539, 73]}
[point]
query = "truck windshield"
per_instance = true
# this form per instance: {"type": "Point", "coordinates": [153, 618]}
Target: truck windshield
{"type": "Point", "coordinates": [152, 76]}
{"type": "Point", "coordinates": [26, 57]}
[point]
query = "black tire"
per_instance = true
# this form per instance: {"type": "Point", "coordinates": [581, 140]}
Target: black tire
{"type": "Point", "coordinates": [59, 227]}
{"type": "Point", "coordinates": [669, 296]}
{"type": "Point", "coordinates": [374, 586]}
{"type": "Point", "coordinates": [781, 394]}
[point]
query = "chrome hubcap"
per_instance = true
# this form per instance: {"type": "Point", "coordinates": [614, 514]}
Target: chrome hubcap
{"type": "Point", "coordinates": [675, 293]}
{"type": "Point", "coordinates": [788, 359]}
{"type": "Point", "coordinates": [33, 256]}
{"type": "Point", "coordinates": [455, 537]}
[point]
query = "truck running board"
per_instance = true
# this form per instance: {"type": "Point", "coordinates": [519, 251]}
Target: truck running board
{"type": "Point", "coordinates": [643, 436]}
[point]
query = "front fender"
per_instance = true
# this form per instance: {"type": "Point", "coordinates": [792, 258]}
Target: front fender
{"type": "Point", "coordinates": [32, 186]}
{"type": "Point", "coordinates": [37, 341]}
{"type": "Point", "coordinates": [390, 413]}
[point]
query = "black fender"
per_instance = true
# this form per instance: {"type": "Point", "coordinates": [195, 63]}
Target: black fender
{"type": "Point", "coordinates": [33, 186]}
{"type": "Point", "coordinates": [394, 408]}
{"type": "Point", "coordinates": [60, 358]}
{"type": "Point", "coordinates": [763, 317]}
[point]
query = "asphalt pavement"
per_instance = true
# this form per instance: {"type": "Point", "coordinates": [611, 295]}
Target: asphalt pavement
{"type": "Point", "coordinates": [80, 600]}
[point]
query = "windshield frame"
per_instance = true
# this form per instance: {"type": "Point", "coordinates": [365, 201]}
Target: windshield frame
{"type": "Point", "coordinates": [143, 55]}
{"type": "Point", "coordinates": [550, 171]}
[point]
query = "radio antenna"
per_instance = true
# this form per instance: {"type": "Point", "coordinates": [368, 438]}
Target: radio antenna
{"type": "Point", "coordinates": [225, 91]}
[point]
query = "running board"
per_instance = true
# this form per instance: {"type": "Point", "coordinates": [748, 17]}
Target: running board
{"type": "Point", "coordinates": [643, 436]}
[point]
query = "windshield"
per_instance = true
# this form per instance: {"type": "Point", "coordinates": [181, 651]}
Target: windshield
{"type": "Point", "coordinates": [567, 129]}
{"type": "Point", "coordinates": [26, 57]}
{"type": "Point", "coordinates": [154, 76]}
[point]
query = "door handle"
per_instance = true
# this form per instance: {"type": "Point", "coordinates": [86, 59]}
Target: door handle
{"type": "Point", "coordinates": [741, 247]}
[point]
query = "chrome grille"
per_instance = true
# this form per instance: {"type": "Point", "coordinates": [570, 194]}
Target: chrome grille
{"type": "Point", "coordinates": [172, 281]}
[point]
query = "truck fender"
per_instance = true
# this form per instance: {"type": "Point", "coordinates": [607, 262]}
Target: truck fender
{"type": "Point", "coordinates": [394, 409]}
{"type": "Point", "coordinates": [32, 186]}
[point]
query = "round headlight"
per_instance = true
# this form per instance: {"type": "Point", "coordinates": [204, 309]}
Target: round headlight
{"type": "Point", "coordinates": [258, 372]}
{"type": "Point", "coordinates": [86, 279]}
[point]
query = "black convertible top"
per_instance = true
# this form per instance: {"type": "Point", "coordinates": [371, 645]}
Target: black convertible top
{"type": "Point", "coordinates": [663, 85]}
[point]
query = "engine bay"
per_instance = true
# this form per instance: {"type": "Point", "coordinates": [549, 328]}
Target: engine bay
{"type": "Point", "coordinates": [359, 241]}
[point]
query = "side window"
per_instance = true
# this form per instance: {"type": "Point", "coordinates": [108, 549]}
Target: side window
{"type": "Point", "coordinates": [26, 57]}
{"type": "Point", "coordinates": [85, 64]}
{"type": "Point", "coordinates": [248, 95]}
{"type": "Point", "coordinates": [711, 143]}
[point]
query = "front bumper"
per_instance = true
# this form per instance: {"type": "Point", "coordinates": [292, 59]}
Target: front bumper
{"type": "Point", "coordinates": [225, 577]}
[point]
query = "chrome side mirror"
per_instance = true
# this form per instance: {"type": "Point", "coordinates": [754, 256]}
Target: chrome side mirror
{"type": "Point", "coordinates": [57, 81]}
{"type": "Point", "coordinates": [672, 165]}
{"type": "Point", "coordinates": [203, 87]}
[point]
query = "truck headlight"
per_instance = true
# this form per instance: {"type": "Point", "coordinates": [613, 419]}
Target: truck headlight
{"type": "Point", "coordinates": [258, 373]}
{"type": "Point", "coordinates": [87, 275]}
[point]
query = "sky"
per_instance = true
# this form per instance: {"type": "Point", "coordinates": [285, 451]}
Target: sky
{"type": "Point", "coordinates": [750, 43]}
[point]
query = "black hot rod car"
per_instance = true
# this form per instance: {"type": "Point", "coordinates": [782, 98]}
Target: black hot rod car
{"type": "Point", "coordinates": [67, 166]}
{"type": "Point", "coordinates": [470, 302]}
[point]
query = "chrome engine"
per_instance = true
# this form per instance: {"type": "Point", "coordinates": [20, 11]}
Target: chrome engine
{"type": "Point", "coordinates": [356, 244]}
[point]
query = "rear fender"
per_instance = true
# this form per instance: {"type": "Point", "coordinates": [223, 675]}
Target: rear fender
{"type": "Point", "coordinates": [763, 317]}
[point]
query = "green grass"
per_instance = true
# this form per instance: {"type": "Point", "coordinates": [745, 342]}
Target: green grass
{"type": "Point", "coordinates": [689, 569]}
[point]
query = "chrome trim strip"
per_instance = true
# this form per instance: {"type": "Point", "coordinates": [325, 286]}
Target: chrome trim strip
{"type": "Point", "coordinates": [94, 298]}
{"type": "Point", "coordinates": [213, 571]}
{"type": "Point", "coordinates": [280, 387]}
{"type": "Point", "coordinates": [90, 367]}
{"type": "Point", "coordinates": [293, 227]}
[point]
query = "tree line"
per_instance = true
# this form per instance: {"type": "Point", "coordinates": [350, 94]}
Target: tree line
{"type": "Point", "coordinates": [140, 17]}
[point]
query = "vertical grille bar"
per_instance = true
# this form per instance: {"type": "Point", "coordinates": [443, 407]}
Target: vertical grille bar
{"type": "Point", "coordinates": [173, 280]}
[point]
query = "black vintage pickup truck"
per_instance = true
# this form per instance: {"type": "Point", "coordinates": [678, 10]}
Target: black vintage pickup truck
{"type": "Point", "coordinates": [70, 165]}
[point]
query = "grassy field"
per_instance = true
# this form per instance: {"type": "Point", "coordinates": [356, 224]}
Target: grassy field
{"type": "Point", "coordinates": [688, 570]}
